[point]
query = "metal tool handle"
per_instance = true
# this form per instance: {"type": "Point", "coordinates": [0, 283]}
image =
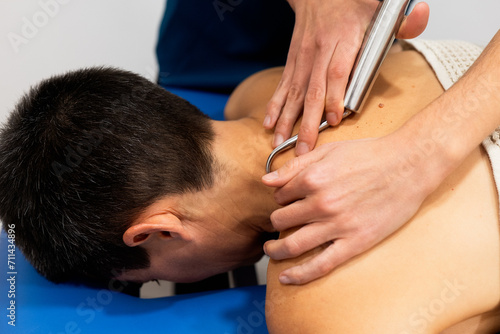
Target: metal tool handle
{"type": "Point", "coordinates": [290, 142]}
{"type": "Point", "coordinates": [377, 41]}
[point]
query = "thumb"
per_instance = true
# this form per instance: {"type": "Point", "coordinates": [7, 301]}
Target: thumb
{"type": "Point", "coordinates": [415, 23]}
{"type": "Point", "coordinates": [293, 167]}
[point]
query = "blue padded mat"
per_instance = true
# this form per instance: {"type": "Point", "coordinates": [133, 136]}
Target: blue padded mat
{"type": "Point", "coordinates": [40, 306]}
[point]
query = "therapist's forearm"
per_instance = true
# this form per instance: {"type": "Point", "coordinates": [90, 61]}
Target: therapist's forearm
{"type": "Point", "coordinates": [449, 128]}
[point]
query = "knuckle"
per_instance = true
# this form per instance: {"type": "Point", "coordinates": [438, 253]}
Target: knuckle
{"type": "Point", "coordinates": [273, 106]}
{"type": "Point", "coordinates": [291, 247]}
{"type": "Point", "coordinates": [322, 42]}
{"type": "Point", "coordinates": [295, 93]}
{"type": "Point", "coordinates": [275, 217]}
{"type": "Point", "coordinates": [326, 204]}
{"type": "Point", "coordinates": [324, 267]}
{"type": "Point", "coordinates": [307, 131]}
{"type": "Point", "coordinates": [300, 275]}
{"type": "Point", "coordinates": [308, 135]}
{"type": "Point", "coordinates": [284, 125]}
{"type": "Point", "coordinates": [310, 180]}
{"type": "Point", "coordinates": [306, 50]}
{"type": "Point", "coordinates": [292, 164]}
{"type": "Point", "coordinates": [315, 94]}
{"type": "Point", "coordinates": [322, 205]}
{"type": "Point", "coordinates": [337, 71]}
{"type": "Point", "coordinates": [285, 79]}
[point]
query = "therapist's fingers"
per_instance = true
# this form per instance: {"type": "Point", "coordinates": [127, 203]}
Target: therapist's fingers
{"type": "Point", "coordinates": [275, 105]}
{"type": "Point", "coordinates": [338, 76]}
{"type": "Point", "coordinates": [297, 89]}
{"type": "Point", "coordinates": [304, 239]}
{"type": "Point", "coordinates": [286, 104]}
{"type": "Point", "coordinates": [415, 23]}
{"type": "Point", "coordinates": [314, 101]}
{"type": "Point", "coordinates": [294, 166]}
{"type": "Point", "coordinates": [302, 210]}
{"type": "Point", "coordinates": [328, 258]}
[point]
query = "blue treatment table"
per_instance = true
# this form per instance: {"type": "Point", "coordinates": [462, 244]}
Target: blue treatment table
{"type": "Point", "coordinates": [212, 104]}
{"type": "Point", "coordinates": [39, 306]}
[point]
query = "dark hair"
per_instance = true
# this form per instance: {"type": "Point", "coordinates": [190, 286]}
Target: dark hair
{"type": "Point", "coordinates": [82, 155]}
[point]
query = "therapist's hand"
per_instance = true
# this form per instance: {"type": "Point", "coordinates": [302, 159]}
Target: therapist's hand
{"type": "Point", "coordinates": [326, 39]}
{"type": "Point", "coordinates": [344, 203]}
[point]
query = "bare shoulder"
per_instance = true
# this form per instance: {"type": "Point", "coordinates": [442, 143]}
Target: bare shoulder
{"type": "Point", "coordinates": [440, 269]}
{"type": "Point", "coordinates": [423, 279]}
{"type": "Point", "coordinates": [251, 95]}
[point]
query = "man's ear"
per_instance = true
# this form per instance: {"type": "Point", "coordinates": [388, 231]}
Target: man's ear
{"type": "Point", "coordinates": [162, 226]}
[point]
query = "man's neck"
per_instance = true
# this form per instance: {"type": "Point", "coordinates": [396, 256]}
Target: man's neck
{"type": "Point", "coordinates": [241, 148]}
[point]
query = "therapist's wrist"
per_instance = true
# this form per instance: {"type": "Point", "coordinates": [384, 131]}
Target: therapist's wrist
{"type": "Point", "coordinates": [423, 156]}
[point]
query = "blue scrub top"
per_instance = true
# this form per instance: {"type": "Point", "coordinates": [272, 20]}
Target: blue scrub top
{"type": "Point", "coordinates": [214, 44]}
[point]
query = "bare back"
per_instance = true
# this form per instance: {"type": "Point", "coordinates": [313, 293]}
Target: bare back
{"type": "Point", "coordinates": [441, 268]}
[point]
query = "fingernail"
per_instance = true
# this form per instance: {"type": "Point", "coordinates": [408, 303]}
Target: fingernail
{"type": "Point", "coordinates": [265, 249]}
{"type": "Point", "coordinates": [267, 122]}
{"type": "Point", "coordinates": [332, 118]}
{"type": "Point", "coordinates": [278, 139]}
{"type": "Point", "coordinates": [284, 279]}
{"type": "Point", "coordinates": [271, 176]}
{"type": "Point", "coordinates": [302, 148]}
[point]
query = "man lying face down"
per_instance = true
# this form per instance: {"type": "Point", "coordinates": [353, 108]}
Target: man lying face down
{"type": "Point", "coordinates": [105, 174]}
